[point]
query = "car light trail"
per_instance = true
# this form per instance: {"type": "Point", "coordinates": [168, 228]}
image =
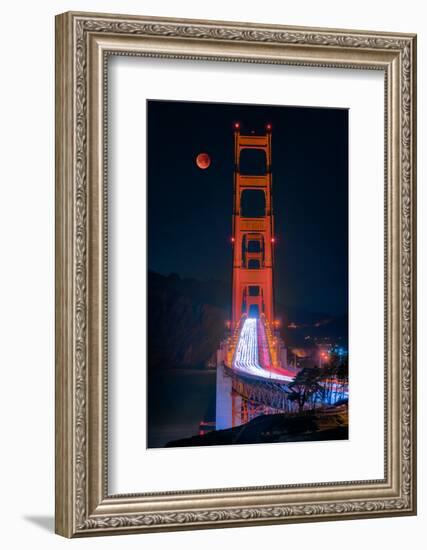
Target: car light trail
{"type": "Point", "coordinates": [246, 356]}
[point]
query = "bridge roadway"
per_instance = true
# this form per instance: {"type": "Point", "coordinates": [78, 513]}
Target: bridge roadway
{"type": "Point", "coordinates": [251, 345]}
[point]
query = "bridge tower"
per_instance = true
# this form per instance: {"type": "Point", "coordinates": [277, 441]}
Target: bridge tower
{"type": "Point", "coordinates": [252, 237]}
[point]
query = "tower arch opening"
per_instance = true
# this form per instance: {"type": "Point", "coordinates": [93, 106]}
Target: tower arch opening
{"type": "Point", "coordinates": [252, 203]}
{"type": "Point", "coordinates": [253, 312]}
{"type": "Point", "coordinates": [253, 162]}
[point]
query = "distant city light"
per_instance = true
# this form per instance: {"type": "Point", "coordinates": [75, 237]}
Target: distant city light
{"type": "Point", "coordinates": [268, 126]}
{"type": "Point", "coordinates": [324, 355]}
{"type": "Point", "coordinates": [237, 125]}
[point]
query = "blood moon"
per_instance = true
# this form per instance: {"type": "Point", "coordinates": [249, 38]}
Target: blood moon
{"type": "Point", "coordinates": [203, 161]}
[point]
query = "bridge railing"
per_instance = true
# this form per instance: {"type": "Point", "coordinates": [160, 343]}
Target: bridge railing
{"type": "Point", "coordinates": [272, 342]}
{"type": "Point", "coordinates": [234, 338]}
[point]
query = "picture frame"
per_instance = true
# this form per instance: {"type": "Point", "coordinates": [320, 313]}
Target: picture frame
{"type": "Point", "coordinates": [84, 506]}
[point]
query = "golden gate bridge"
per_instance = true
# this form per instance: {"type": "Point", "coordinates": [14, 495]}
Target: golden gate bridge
{"type": "Point", "coordinates": [252, 368]}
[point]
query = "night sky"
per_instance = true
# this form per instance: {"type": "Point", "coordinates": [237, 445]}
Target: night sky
{"type": "Point", "coordinates": [190, 210]}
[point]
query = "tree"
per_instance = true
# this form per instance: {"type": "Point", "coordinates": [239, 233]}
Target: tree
{"type": "Point", "coordinates": [304, 386]}
{"type": "Point", "coordinates": [342, 375]}
{"type": "Point", "coordinates": [334, 377]}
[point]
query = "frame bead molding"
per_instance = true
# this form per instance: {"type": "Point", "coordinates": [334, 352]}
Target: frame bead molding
{"type": "Point", "coordinates": [83, 506]}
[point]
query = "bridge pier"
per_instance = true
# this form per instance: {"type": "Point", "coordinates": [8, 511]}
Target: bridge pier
{"type": "Point", "coordinates": [228, 403]}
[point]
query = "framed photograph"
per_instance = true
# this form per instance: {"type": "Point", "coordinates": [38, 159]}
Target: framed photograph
{"type": "Point", "coordinates": [235, 274]}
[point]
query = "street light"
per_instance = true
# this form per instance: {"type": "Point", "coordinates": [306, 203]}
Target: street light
{"type": "Point", "coordinates": [323, 355]}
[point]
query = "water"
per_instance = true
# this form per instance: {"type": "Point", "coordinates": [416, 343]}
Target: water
{"type": "Point", "coordinates": [178, 400]}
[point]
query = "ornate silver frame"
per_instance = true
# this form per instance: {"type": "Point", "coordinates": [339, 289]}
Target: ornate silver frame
{"type": "Point", "coordinates": [83, 505]}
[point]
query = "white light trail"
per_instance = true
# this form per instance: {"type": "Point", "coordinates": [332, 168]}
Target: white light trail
{"type": "Point", "coordinates": [246, 355]}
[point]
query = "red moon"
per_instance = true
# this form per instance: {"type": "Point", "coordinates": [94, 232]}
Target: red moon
{"type": "Point", "coordinates": [203, 161]}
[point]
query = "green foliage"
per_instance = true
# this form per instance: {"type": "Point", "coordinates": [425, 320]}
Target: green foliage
{"type": "Point", "coordinates": [320, 384]}
{"type": "Point", "coordinates": [305, 384]}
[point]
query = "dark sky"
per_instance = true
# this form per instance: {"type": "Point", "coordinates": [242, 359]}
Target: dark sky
{"type": "Point", "coordinates": [189, 210]}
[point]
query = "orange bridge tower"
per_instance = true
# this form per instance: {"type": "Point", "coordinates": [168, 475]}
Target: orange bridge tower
{"type": "Point", "coordinates": [253, 234]}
